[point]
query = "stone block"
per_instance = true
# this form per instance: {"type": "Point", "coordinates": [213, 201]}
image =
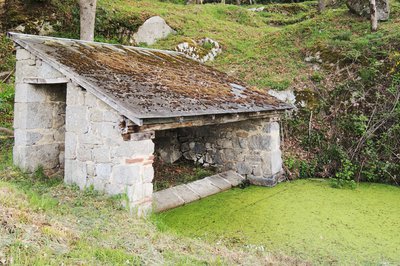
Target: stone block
{"type": "Point", "coordinates": [59, 134]}
{"type": "Point", "coordinates": [147, 190]}
{"type": "Point", "coordinates": [33, 115]}
{"type": "Point", "coordinates": [148, 173]}
{"type": "Point", "coordinates": [90, 100]}
{"type": "Point", "coordinates": [115, 188]}
{"type": "Point", "coordinates": [169, 153]}
{"type": "Point", "coordinates": [29, 158]}
{"type": "Point", "coordinates": [260, 142]}
{"type": "Point", "coordinates": [276, 162]}
{"type": "Point", "coordinates": [166, 199]}
{"type": "Point", "coordinates": [76, 172]}
{"type": "Point", "coordinates": [133, 148]}
{"type": "Point", "coordinates": [219, 182]}
{"type": "Point", "coordinates": [271, 127]}
{"type": "Point", "coordinates": [106, 130]}
{"type": "Point", "coordinates": [48, 138]}
{"type": "Point", "coordinates": [96, 115]}
{"type": "Point", "coordinates": [97, 183]}
{"type": "Point", "coordinates": [232, 177]}
{"type": "Point", "coordinates": [203, 188]}
{"type": "Point", "coordinates": [61, 159]}
{"type": "Point", "coordinates": [252, 158]}
{"type": "Point", "coordinates": [127, 174]}
{"type": "Point", "coordinates": [84, 153]}
{"type": "Point", "coordinates": [47, 71]}
{"type": "Point", "coordinates": [257, 170]}
{"type": "Point", "coordinates": [185, 147]}
{"type": "Point", "coordinates": [135, 192]}
{"type": "Point", "coordinates": [244, 168]}
{"type": "Point", "coordinates": [262, 181]}
{"type": "Point", "coordinates": [75, 96]}
{"type": "Point", "coordinates": [227, 143]}
{"type": "Point", "coordinates": [266, 166]}
{"type": "Point", "coordinates": [275, 142]}
{"type": "Point", "coordinates": [24, 70]}
{"type": "Point", "coordinates": [101, 155]}
{"type": "Point", "coordinates": [26, 93]}
{"type": "Point", "coordinates": [71, 145]}
{"type": "Point", "coordinates": [243, 143]}
{"type": "Point", "coordinates": [103, 171]}
{"type": "Point", "coordinates": [90, 169]}
{"type": "Point", "coordinates": [111, 116]}
{"type": "Point", "coordinates": [185, 193]}
{"type": "Point", "coordinates": [76, 119]}
{"type": "Point", "coordinates": [26, 137]}
{"type": "Point", "coordinates": [230, 155]}
{"type": "Point", "coordinates": [90, 139]}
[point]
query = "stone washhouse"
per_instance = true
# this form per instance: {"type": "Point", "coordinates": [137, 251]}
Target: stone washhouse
{"type": "Point", "coordinates": [100, 113]}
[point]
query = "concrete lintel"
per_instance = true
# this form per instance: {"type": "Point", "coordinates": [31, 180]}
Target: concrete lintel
{"type": "Point", "coordinates": [45, 81]}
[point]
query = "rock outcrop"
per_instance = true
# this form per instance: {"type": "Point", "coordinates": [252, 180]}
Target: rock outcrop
{"type": "Point", "coordinates": [361, 8]}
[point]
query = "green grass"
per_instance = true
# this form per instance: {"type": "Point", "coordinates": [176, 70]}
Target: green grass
{"type": "Point", "coordinates": [265, 49]}
{"type": "Point", "coordinates": [44, 222]}
{"type": "Point", "coordinates": [307, 219]}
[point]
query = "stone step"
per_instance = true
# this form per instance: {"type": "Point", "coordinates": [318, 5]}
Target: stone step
{"type": "Point", "coordinates": [183, 194]}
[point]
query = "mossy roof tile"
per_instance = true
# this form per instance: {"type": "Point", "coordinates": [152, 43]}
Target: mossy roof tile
{"type": "Point", "coordinates": [145, 83]}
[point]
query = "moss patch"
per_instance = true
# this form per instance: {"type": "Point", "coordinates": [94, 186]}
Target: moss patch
{"type": "Point", "coordinates": [307, 219]}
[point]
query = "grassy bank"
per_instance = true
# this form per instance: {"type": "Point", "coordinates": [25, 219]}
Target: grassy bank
{"type": "Point", "coordinates": [346, 78]}
{"type": "Point", "coordinates": [307, 219]}
{"type": "Point", "coordinates": [44, 222]}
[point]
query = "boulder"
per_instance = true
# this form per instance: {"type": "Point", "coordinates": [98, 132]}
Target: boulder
{"type": "Point", "coordinates": [153, 29]}
{"type": "Point", "coordinates": [361, 8]}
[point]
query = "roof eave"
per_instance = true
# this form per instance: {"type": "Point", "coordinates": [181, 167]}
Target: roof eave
{"type": "Point", "coordinates": [204, 120]}
{"type": "Point", "coordinates": [76, 79]}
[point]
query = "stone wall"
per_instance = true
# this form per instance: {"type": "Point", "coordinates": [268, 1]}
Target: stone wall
{"type": "Point", "coordinates": [252, 148]}
{"type": "Point", "coordinates": [96, 154]}
{"type": "Point", "coordinates": [39, 117]}
{"type": "Point", "coordinates": [61, 125]}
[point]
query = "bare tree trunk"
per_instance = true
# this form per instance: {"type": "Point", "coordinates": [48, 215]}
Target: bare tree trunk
{"type": "Point", "coordinates": [374, 17]}
{"type": "Point", "coordinates": [238, 2]}
{"type": "Point", "coordinates": [223, 2]}
{"type": "Point", "coordinates": [321, 6]}
{"type": "Point", "coordinates": [87, 18]}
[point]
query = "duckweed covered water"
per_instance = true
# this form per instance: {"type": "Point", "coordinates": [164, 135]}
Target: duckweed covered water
{"type": "Point", "coordinates": [307, 219]}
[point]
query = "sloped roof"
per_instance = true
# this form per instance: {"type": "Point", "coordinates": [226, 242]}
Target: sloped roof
{"type": "Point", "coordinates": [146, 83]}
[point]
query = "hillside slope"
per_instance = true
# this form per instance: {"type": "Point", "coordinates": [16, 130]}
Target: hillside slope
{"type": "Point", "coordinates": [346, 78]}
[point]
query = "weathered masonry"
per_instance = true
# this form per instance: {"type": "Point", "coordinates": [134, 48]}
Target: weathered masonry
{"type": "Point", "coordinates": [101, 112]}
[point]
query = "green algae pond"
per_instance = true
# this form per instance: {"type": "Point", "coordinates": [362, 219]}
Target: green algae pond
{"type": "Point", "coordinates": [306, 219]}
